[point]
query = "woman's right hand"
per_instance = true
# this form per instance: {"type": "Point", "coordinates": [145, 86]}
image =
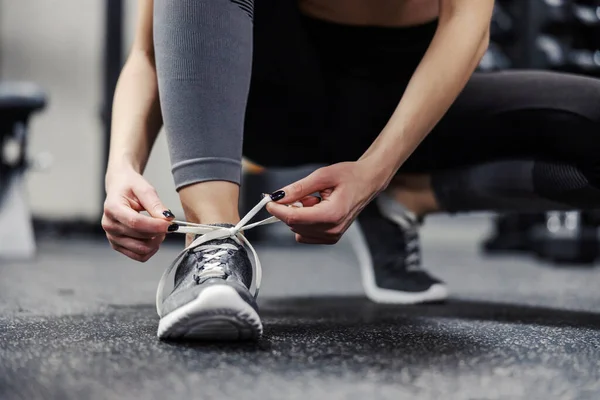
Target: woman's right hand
{"type": "Point", "coordinates": [136, 235]}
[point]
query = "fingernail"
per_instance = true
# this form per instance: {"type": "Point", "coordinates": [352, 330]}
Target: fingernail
{"type": "Point", "coordinates": [168, 214]}
{"type": "Point", "coordinates": [173, 227]}
{"type": "Point", "coordinates": [278, 195]}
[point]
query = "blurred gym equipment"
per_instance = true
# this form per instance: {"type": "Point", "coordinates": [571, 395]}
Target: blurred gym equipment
{"type": "Point", "coordinates": [559, 55]}
{"type": "Point", "coordinates": [566, 237]}
{"type": "Point", "coordinates": [512, 233]}
{"type": "Point", "coordinates": [18, 101]}
{"type": "Point", "coordinates": [554, 12]}
{"type": "Point", "coordinates": [113, 59]}
{"type": "Point", "coordinates": [587, 12]}
{"type": "Point", "coordinates": [503, 34]}
{"type": "Point", "coordinates": [502, 28]}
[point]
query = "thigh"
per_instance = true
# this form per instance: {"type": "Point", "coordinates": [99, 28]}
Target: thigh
{"type": "Point", "coordinates": [285, 114]}
{"type": "Point", "coordinates": [516, 114]}
{"type": "Point", "coordinates": [284, 126]}
{"type": "Point", "coordinates": [321, 92]}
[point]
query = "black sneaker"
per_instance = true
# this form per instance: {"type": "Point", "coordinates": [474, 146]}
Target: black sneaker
{"type": "Point", "coordinates": [211, 299]}
{"type": "Point", "coordinates": [393, 272]}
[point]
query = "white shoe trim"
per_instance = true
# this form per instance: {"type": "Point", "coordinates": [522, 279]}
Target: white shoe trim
{"type": "Point", "coordinates": [218, 313]}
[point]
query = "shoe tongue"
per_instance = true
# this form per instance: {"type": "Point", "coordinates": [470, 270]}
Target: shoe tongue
{"type": "Point", "coordinates": [188, 264]}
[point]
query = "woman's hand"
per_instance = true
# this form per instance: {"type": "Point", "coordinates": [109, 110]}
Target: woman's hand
{"type": "Point", "coordinates": [136, 235]}
{"type": "Point", "coordinates": [345, 189]}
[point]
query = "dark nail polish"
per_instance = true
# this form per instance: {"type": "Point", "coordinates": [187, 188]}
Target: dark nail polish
{"type": "Point", "coordinates": [173, 227]}
{"type": "Point", "coordinates": [168, 214]}
{"type": "Point", "coordinates": [278, 195]}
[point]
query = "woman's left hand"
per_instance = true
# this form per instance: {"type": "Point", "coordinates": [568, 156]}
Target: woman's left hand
{"type": "Point", "coordinates": [345, 189]}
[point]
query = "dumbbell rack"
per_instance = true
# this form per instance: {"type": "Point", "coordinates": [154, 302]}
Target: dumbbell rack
{"type": "Point", "coordinates": [559, 35]}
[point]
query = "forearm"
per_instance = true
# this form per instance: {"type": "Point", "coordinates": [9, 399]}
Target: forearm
{"type": "Point", "coordinates": [136, 118]}
{"type": "Point", "coordinates": [452, 57]}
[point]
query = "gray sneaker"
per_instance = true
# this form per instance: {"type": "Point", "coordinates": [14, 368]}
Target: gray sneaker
{"type": "Point", "coordinates": [211, 299]}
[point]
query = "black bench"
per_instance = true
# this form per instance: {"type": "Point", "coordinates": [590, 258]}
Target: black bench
{"type": "Point", "coordinates": [18, 102]}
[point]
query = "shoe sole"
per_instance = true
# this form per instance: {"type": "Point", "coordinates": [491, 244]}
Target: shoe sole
{"type": "Point", "coordinates": [435, 293]}
{"type": "Point", "coordinates": [217, 314]}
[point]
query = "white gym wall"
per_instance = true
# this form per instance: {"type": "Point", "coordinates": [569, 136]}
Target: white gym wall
{"type": "Point", "coordinates": [58, 44]}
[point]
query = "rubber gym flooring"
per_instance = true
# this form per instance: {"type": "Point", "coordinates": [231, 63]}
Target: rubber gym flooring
{"type": "Point", "coordinates": [79, 323]}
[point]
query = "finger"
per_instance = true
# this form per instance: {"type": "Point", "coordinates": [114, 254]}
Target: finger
{"type": "Point", "coordinates": [319, 231]}
{"type": "Point", "coordinates": [319, 180]}
{"type": "Point", "coordinates": [323, 213]}
{"type": "Point", "coordinates": [149, 199]}
{"type": "Point", "coordinates": [310, 201]}
{"type": "Point", "coordinates": [139, 247]}
{"type": "Point", "coordinates": [132, 255]}
{"type": "Point", "coordinates": [116, 228]}
{"type": "Point", "coordinates": [136, 221]}
{"type": "Point", "coordinates": [159, 239]}
{"type": "Point", "coordinates": [310, 240]}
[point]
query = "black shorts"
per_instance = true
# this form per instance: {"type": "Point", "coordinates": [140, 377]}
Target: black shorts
{"type": "Point", "coordinates": [321, 93]}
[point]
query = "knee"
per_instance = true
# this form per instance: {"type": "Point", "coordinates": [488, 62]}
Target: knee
{"type": "Point", "coordinates": [591, 172]}
{"type": "Point", "coordinates": [567, 183]}
{"type": "Point", "coordinates": [549, 177]}
{"type": "Point", "coordinates": [584, 100]}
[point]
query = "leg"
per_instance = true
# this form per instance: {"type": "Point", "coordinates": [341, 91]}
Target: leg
{"type": "Point", "coordinates": [499, 148]}
{"type": "Point", "coordinates": [414, 191]}
{"type": "Point", "coordinates": [203, 61]}
{"type": "Point", "coordinates": [203, 58]}
{"type": "Point", "coordinates": [499, 186]}
{"type": "Point", "coordinates": [519, 141]}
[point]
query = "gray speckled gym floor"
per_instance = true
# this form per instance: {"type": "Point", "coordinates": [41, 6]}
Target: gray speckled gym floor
{"type": "Point", "coordinates": [79, 323]}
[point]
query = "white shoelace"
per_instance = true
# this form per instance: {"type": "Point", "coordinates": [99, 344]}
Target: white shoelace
{"type": "Point", "coordinates": [212, 260]}
{"type": "Point", "coordinates": [408, 221]}
{"type": "Point", "coordinates": [214, 265]}
{"type": "Point", "coordinates": [413, 253]}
